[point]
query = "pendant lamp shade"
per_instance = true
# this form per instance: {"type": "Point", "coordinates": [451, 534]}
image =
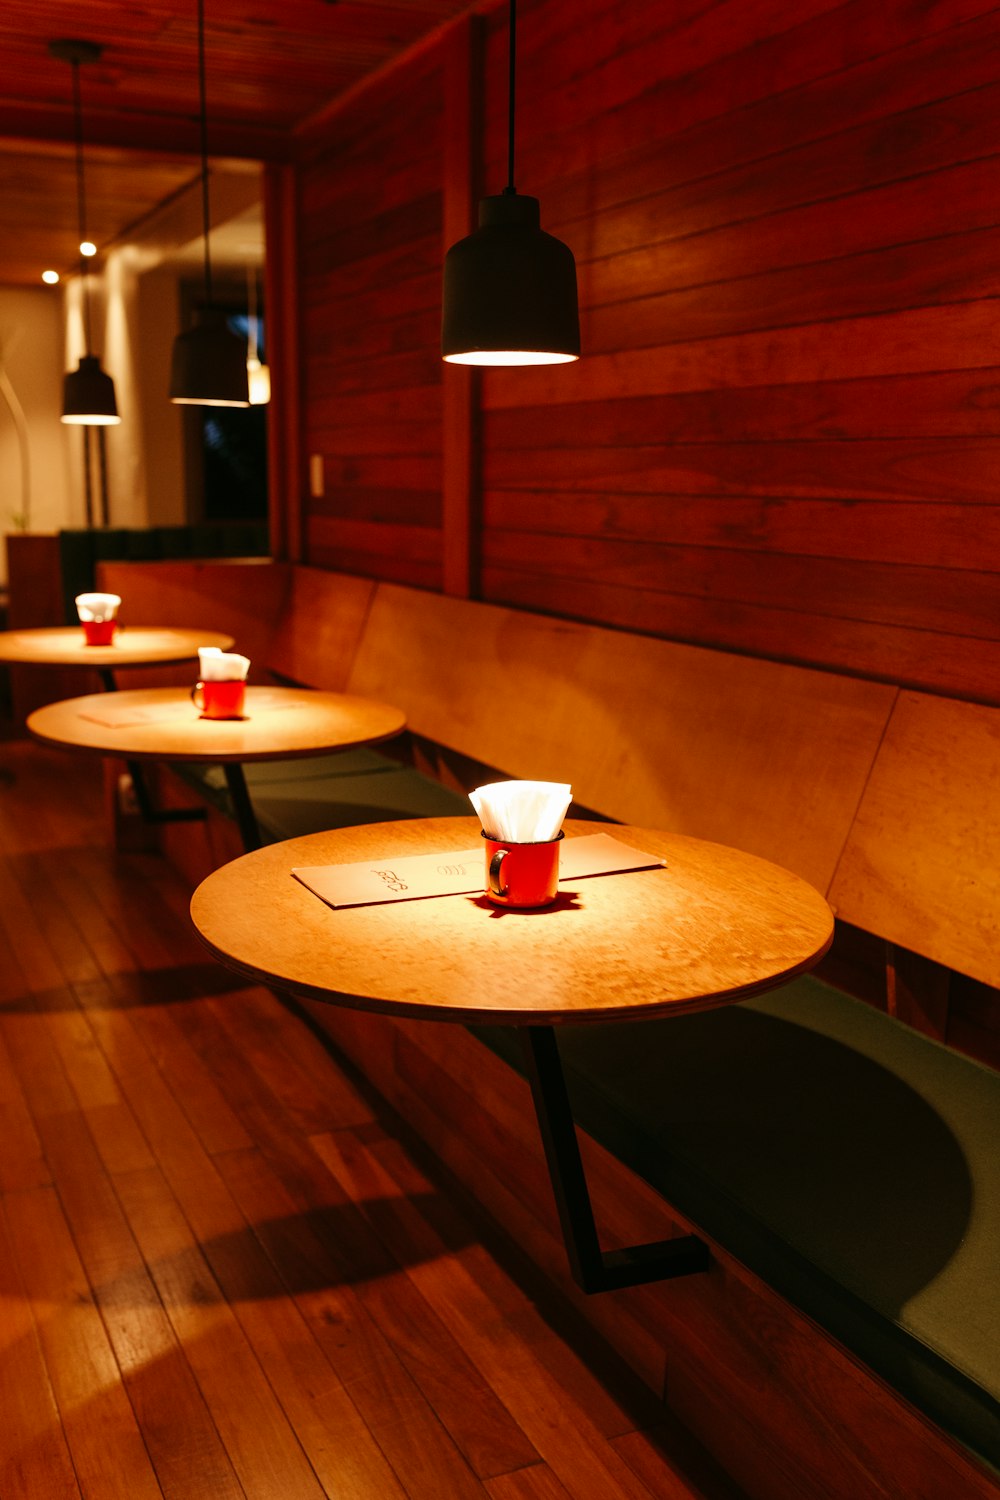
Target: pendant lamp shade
{"type": "Point", "coordinates": [209, 365]}
{"type": "Point", "coordinates": [89, 395]}
{"type": "Point", "coordinates": [510, 291]}
{"type": "Point", "coordinates": [209, 362]}
{"type": "Point", "coordinates": [509, 295]}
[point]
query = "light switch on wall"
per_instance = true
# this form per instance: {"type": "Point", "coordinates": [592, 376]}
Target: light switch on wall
{"type": "Point", "coordinates": [317, 481]}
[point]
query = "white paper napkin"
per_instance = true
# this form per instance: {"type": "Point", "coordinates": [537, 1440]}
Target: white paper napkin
{"type": "Point", "coordinates": [522, 812]}
{"type": "Point", "coordinates": [97, 607]}
{"type": "Point", "coordinates": [221, 666]}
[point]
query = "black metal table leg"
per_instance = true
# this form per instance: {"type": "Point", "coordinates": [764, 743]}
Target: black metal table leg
{"type": "Point", "coordinates": [107, 676]}
{"type": "Point", "coordinates": [593, 1270]}
{"type": "Point", "coordinates": [144, 802]}
{"type": "Point", "coordinates": [242, 806]}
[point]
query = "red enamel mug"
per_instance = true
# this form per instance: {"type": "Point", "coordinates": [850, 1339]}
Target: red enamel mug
{"type": "Point", "coordinates": [220, 700]}
{"type": "Point", "coordinates": [99, 632]}
{"type": "Point", "coordinates": [522, 875]}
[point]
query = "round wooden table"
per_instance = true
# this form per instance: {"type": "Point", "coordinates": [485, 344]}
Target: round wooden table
{"type": "Point", "coordinates": [163, 724]}
{"type": "Point", "coordinates": [133, 646]}
{"type": "Point", "coordinates": [711, 927]}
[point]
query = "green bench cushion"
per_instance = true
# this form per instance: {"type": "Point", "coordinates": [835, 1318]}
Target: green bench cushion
{"type": "Point", "coordinates": [850, 1162]}
{"type": "Point", "coordinates": [294, 797]}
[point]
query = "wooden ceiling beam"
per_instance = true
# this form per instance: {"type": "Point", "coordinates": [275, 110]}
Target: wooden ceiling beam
{"type": "Point", "coordinates": [145, 132]}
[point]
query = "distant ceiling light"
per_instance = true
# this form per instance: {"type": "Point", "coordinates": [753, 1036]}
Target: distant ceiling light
{"type": "Point", "coordinates": [510, 288]}
{"type": "Point", "coordinates": [259, 379]}
{"type": "Point", "coordinates": [209, 364]}
{"type": "Point", "coordinates": [50, 277]}
{"type": "Point", "coordinates": [88, 248]}
{"type": "Point", "coordinates": [258, 374]}
{"type": "Point", "coordinates": [88, 394]}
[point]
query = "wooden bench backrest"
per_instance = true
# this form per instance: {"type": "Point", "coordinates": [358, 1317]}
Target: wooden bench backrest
{"type": "Point", "coordinates": [318, 633]}
{"type": "Point", "coordinates": [886, 801]}
{"type": "Point", "coordinates": [921, 866]}
{"type": "Point", "coordinates": [768, 757]}
{"type": "Point", "coordinates": [243, 596]}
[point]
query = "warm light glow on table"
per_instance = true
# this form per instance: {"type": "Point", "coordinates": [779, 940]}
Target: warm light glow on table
{"type": "Point", "coordinates": [714, 924]}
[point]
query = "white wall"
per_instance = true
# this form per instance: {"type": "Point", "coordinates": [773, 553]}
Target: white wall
{"type": "Point", "coordinates": [134, 315]}
{"type": "Point", "coordinates": [31, 354]}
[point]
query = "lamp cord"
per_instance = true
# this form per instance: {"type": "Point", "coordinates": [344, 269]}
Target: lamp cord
{"type": "Point", "coordinates": [81, 200]}
{"type": "Point", "coordinates": [204, 146]}
{"type": "Point", "coordinates": [511, 54]}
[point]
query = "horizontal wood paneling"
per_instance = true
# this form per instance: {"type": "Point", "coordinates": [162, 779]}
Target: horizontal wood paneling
{"type": "Point", "coordinates": [782, 437]}
{"type": "Point", "coordinates": [370, 230]}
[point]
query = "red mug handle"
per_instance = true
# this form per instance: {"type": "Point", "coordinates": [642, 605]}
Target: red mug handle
{"type": "Point", "coordinates": [494, 872]}
{"type": "Point", "coordinates": [198, 688]}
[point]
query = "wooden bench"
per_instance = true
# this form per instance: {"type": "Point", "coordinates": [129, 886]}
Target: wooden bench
{"type": "Point", "coordinates": [845, 1169]}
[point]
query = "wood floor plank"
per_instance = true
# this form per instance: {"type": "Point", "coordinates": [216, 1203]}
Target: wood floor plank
{"type": "Point", "coordinates": [261, 1443]}
{"type": "Point", "coordinates": [560, 1428]}
{"type": "Point", "coordinates": [34, 1455]}
{"type": "Point", "coordinates": [108, 1452]}
{"type": "Point", "coordinates": [25, 935]}
{"type": "Point", "coordinates": [304, 1249]}
{"type": "Point", "coordinates": [49, 799]}
{"type": "Point", "coordinates": [120, 1142]}
{"type": "Point", "coordinates": [22, 1161]}
{"type": "Point", "coordinates": [470, 1409]}
{"type": "Point", "coordinates": [651, 1455]}
{"type": "Point", "coordinates": [341, 1448]}
{"type": "Point", "coordinates": [536, 1483]}
{"type": "Point", "coordinates": [222, 1050]}
{"type": "Point", "coordinates": [217, 1126]}
{"type": "Point", "coordinates": [108, 942]}
{"type": "Point", "coordinates": [615, 1407]}
{"type": "Point", "coordinates": [13, 983]}
{"type": "Point", "coordinates": [63, 936]}
{"type": "Point", "coordinates": [294, 1064]}
{"type": "Point", "coordinates": [222, 1277]}
{"type": "Point", "coordinates": [187, 1454]}
{"type": "Point", "coordinates": [152, 930]}
{"type": "Point", "coordinates": [416, 1432]}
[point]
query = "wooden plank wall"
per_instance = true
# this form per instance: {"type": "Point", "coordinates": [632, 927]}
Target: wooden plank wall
{"type": "Point", "coordinates": [782, 438]}
{"type": "Point", "coordinates": [370, 255]}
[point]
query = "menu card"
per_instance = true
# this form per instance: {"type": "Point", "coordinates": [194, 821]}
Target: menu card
{"type": "Point", "coordinates": [114, 715]}
{"type": "Point", "coordinates": [457, 872]}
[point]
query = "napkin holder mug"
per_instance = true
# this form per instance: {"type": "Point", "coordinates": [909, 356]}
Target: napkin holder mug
{"type": "Point", "coordinates": [520, 874]}
{"type": "Point", "coordinates": [98, 617]}
{"type": "Point", "coordinates": [221, 699]}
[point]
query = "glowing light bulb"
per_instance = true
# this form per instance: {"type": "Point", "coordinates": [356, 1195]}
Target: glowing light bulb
{"type": "Point", "coordinates": [88, 248]}
{"type": "Point", "coordinates": [50, 277]}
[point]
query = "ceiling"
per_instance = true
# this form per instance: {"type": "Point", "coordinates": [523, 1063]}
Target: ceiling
{"type": "Point", "coordinates": [271, 67]}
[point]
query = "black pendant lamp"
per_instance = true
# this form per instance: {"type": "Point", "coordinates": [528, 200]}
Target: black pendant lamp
{"type": "Point", "coordinates": [510, 288]}
{"type": "Point", "coordinates": [209, 364]}
{"type": "Point", "coordinates": [88, 394]}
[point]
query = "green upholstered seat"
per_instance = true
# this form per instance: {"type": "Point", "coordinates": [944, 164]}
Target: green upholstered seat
{"type": "Point", "coordinates": [850, 1162]}
{"type": "Point", "coordinates": [293, 797]}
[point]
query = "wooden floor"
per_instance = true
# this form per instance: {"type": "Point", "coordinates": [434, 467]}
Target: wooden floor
{"type": "Point", "coordinates": [223, 1271]}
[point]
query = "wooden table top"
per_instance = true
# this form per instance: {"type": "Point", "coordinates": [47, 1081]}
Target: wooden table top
{"type": "Point", "coordinates": [133, 646]}
{"type": "Point", "coordinates": [714, 926]}
{"type": "Point", "coordinates": [164, 724]}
